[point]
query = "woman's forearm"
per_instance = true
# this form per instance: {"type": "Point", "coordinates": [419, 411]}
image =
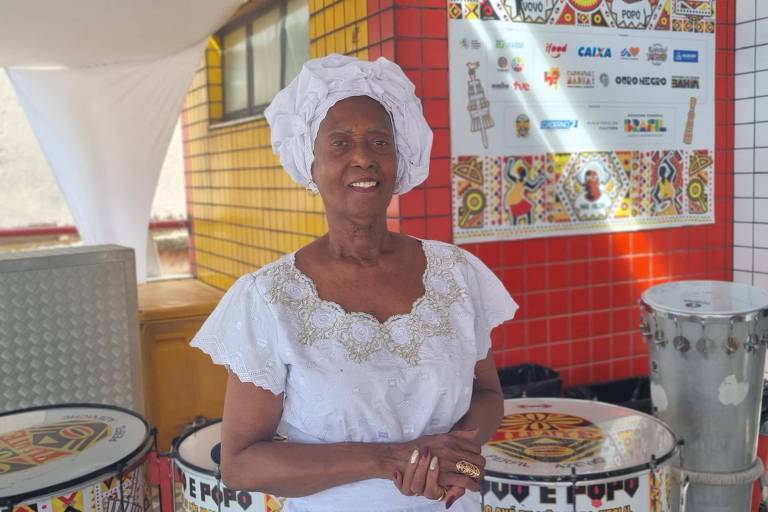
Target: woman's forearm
{"type": "Point", "coordinates": [293, 469]}
{"type": "Point", "coordinates": [485, 413]}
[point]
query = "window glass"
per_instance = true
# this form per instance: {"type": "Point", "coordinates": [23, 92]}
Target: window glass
{"type": "Point", "coordinates": [297, 37]}
{"type": "Point", "coordinates": [265, 44]}
{"type": "Point", "coordinates": [235, 71]}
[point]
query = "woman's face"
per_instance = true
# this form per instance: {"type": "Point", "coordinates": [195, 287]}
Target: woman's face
{"type": "Point", "coordinates": [355, 163]}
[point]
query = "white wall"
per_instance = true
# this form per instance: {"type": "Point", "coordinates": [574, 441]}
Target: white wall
{"type": "Point", "coordinates": [750, 252]}
{"type": "Point", "coordinates": [29, 195]}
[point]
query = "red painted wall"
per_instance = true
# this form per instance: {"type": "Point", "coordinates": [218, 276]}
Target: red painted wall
{"type": "Point", "coordinates": [578, 294]}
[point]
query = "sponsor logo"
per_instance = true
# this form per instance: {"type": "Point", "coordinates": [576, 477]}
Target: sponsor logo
{"type": "Point", "coordinates": [655, 81]}
{"type": "Point", "coordinates": [559, 124]}
{"type": "Point", "coordinates": [605, 80]}
{"type": "Point", "coordinates": [630, 53]}
{"type": "Point", "coordinates": [555, 50]}
{"type": "Point", "coordinates": [594, 51]}
{"type": "Point", "coordinates": [656, 54]}
{"type": "Point", "coordinates": [470, 44]}
{"type": "Point", "coordinates": [502, 44]}
{"type": "Point", "coordinates": [580, 79]}
{"type": "Point", "coordinates": [691, 56]}
{"type": "Point", "coordinates": [685, 82]}
{"type": "Point", "coordinates": [644, 124]}
{"type": "Point", "coordinates": [604, 125]}
{"type": "Point", "coordinates": [552, 77]}
{"type": "Point", "coordinates": [514, 64]}
{"type": "Point", "coordinates": [522, 125]}
{"type": "Point", "coordinates": [530, 7]}
{"type": "Point", "coordinates": [515, 86]}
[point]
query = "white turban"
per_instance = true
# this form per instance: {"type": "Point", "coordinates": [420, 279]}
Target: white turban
{"type": "Point", "coordinates": [296, 112]}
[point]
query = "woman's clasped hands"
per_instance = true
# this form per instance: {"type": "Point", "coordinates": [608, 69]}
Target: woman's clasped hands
{"type": "Point", "coordinates": [432, 469]}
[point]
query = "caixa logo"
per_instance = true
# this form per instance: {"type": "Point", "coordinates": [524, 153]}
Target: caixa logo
{"type": "Point", "coordinates": [594, 51]}
{"type": "Point", "coordinates": [559, 124]}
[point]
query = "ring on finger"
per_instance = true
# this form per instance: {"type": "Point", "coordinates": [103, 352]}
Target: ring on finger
{"type": "Point", "coordinates": [467, 468]}
{"type": "Point", "coordinates": [442, 494]}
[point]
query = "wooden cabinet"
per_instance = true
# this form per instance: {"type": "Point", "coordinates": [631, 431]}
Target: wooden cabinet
{"type": "Point", "coordinates": [180, 382]}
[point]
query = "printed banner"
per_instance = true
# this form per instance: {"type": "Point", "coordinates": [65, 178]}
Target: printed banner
{"type": "Point", "coordinates": [580, 116]}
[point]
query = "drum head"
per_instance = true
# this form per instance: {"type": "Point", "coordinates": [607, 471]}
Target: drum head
{"type": "Point", "coordinates": [193, 449]}
{"type": "Point", "coordinates": [546, 439]}
{"type": "Point", "coordinates": [706, 298]}
{"type": "Point", "coordinates": [46, 449]}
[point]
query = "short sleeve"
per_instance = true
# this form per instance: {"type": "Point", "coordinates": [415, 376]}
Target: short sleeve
{"type": "Point", "coordinates": [240, 334]}
{"type": "Point", "coordinates": [492, 302]}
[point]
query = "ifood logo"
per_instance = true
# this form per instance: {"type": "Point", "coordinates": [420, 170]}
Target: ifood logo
{"type": "Point", "coordinates": [555, 50]}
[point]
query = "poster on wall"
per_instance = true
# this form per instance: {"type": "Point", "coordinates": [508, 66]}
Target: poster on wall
{"type": "Point", "coordinates": [580, 116]}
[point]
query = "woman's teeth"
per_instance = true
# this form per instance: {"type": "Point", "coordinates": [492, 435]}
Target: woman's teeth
{"type": "Point", "coordinates": [364, 184]}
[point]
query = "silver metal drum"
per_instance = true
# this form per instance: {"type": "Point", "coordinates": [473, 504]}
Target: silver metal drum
{"type": "Point", "coordinates": [707, 354]}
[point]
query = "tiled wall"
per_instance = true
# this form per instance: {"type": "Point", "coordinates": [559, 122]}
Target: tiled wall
{"type": "Point", "coordinates": [244, 209]}
{"type": "Point", "coordinates": [750, 251]}
{"type": "Point", "coordinates": [578, 295]}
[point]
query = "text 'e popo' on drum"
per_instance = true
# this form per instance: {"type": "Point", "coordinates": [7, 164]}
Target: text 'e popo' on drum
{"type": "Point", "coordinates": [706, 341]}
{"type": "Point", "coordinates": [73, 458]}
{"type": "Point", "coordinates": [566, 455]}
{"type": "Point", "coordinates": [202, 488]}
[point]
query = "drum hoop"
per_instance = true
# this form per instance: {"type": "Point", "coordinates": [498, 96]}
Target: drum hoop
{"type": "Point", "coordinates": [587, 477]}
{"type": "Point", "coordinates": [136, 455]}
{"type": "Point", "coordinates": [176, 456]}
{"type": "Point", "coordinates": [663, 312]}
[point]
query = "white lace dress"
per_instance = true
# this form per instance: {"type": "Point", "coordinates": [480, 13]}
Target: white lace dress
{"type": "Point", "coordinates": [348, 377]}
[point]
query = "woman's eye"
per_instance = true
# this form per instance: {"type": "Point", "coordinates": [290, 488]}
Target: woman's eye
{"type": "Point", "coordinates": [337, 143]}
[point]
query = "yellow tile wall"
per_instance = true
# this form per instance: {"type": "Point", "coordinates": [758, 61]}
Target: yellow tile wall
{"type": "Point", "coordinates": [244, 209]}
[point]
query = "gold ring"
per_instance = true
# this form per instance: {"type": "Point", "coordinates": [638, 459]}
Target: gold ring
{"type": "Point", "coordinates": [442, 495]}
{"type": "Point", "coordinates": [467, 468]}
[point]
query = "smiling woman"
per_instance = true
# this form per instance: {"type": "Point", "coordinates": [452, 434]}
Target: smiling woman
{"type": "Point", "coordinates": [368, 350]}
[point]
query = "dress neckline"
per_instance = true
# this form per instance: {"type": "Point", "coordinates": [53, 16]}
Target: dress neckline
{"type": "Point", "coordinates": [392, 318]}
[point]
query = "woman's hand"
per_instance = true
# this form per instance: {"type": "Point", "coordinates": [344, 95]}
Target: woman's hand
{"type": "Point", "coordinates": [431, 469]}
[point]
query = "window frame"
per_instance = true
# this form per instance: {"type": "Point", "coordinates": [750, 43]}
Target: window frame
{"type": "Point", "coordinates": [246, 22]}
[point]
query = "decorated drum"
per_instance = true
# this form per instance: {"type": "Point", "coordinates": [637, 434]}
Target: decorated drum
{"type": "Point", "coordinates": [73, 458]}
{"type": "Point", "coordinates": [202, 489]}
{"type": "Point", "coordinates": [566, 455]}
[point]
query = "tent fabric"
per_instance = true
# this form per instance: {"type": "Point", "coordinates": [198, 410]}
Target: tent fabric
{"type": "Point", "coordinates": [102, 85]}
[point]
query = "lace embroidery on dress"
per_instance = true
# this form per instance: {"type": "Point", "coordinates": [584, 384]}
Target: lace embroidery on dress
{"type": "Point", "coordinates": [361, 334]}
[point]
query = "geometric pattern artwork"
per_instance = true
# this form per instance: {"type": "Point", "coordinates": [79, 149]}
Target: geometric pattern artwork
{"type": "Point", "coordinates": [669, 15]}
{"type": "Point", "coordinates": [560, 193]}
{"type": "Point", "coordinates": [547, 437]}
{"type": "Point", "coordinates": [36, 446]}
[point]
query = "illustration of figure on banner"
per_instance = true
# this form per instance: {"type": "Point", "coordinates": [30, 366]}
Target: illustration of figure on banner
{"type": "Point", "coordinates": [593, 177]}
{"type": "Point", "coordinates": [631, 13]}
{"type": "Point", "coordinates": [478, 106]}
{"type": "Point", "coordinates": [665, 191]}
{"type": "Point", "coordinates": [520, 185]}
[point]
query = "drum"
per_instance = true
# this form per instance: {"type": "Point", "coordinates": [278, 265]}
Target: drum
{"type": "Point", "coordinates": [706, 344]}
{"type": "Point", "coordinates": [566, 455]}
{"type": "Point", "coordinates": [73, 458]}
{"type": "Point", "coordinates": [195, 455]}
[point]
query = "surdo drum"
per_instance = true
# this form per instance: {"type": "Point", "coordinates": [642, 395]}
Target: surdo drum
{"type": "Point", "coordinates": [706, 343]}
{"type": "Point", "coordinates": [566, 455]}
{"type": "Point", "coordinates": [196, 455]}
{"type": "Point", "coordinates": [73, 458]}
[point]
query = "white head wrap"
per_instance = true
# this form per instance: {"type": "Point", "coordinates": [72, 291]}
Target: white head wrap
{"type": "Point", "coordinates": [296, 112]}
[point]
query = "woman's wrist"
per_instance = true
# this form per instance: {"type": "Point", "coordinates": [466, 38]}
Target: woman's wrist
{"type": "Point", "coordinates": [392, 457]}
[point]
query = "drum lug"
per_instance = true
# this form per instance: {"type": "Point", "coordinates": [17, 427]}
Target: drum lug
{"type": "Point", "coordinates": [704, 345]}
{"type": "Point", "coordinates": [659, 339]}
{"type": "Point", "coordinates": [645, 330]}
{"type": "Point", "coordinates": [731, 345]}
{"type": "Point", "coordinates": [764, 339]}
{"type": "Point", "coordinates": [752, 343]}
{"type": "Point", "coordinates": [681, 343]}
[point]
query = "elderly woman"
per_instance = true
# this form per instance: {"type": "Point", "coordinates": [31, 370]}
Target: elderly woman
{"type": "Point", "coordinates": [367, 349]}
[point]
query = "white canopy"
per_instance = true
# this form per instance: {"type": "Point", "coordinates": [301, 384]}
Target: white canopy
{"type": "Point", "coordinates": [102, 84]}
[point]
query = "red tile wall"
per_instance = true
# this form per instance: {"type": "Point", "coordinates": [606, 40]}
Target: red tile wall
{"type": "Point", "coordinates": [578, 295]}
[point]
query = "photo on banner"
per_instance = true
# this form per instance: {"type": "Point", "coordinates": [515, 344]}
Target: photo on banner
{"type": "Point", "coordinates": [580, 116]}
